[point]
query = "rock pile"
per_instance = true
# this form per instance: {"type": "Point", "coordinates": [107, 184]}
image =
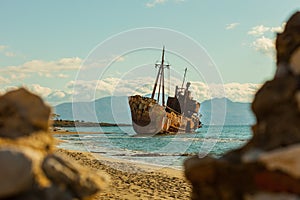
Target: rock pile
{"type": "Point", "coordinates": [268, 166]}
{"type": "Point", "coordinates": [29, 167]}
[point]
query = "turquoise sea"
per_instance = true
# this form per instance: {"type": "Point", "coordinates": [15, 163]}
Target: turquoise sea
{"type": "Point", "coordinates": [120, 143]}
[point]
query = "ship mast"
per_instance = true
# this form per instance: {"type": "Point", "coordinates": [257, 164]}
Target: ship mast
{"type": "Point", "coordinates": [183, 77]}
{"type": "Point", "coordinates": [161, 77]}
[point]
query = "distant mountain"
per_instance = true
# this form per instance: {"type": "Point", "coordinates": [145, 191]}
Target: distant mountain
{"type": "Point", "coordinates": [116, 110]}
{"type": "Point", "coordinates": [107, 109]}
{"type": "Point", "coordinates": [217, 110]}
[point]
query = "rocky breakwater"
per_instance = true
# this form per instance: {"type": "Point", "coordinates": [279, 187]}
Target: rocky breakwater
{"type": "Point", "coordinates": [268, 166]}
{"type": "Point", "coordinates": [29, 167]}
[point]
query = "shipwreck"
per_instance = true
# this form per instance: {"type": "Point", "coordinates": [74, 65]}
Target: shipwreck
{"type": "Point", "coordinates": [179, 115]}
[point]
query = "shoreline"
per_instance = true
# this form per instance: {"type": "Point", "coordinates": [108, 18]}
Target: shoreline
{"type": "Point", "coordinates": [63, 130]}
{"type": "Point", "coordinates": [66, 132]}
{"type": "Point", "coordinates": [131, 180]}
{"type": "Point", "coordinates": [141, 164]}
{"type": "Point", "coordinates": [71, 123]}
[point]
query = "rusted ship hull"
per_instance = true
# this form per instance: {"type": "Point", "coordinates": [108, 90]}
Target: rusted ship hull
{"type": "Point", "coordinates": [148, 117]}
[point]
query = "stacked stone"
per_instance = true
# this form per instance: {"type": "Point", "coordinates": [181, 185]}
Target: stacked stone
{"type": "Point", "coordinates": [29, 167]}
{"type": "Point", "coordinates": [268, 166]}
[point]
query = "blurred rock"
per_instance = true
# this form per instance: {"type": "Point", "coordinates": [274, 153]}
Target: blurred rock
{"type": "Point", "coordinates": [288, 41]}
{"type": "Point", "coordinates": [268, 166]}
{"type": "Point", "coordinates": [79, 181]}
{"type": "Point", "coordinates": [268, 196]}
{"type": "Point", "coordinates": [16, 174]}
{"type": "Point", "coordinates": [277, 114]}
{"type": "Point", "coordinates": [29, 169]}
{"type": "Point", "coordinates": [283, 159]}
{"type": "Point", "coordinates": [22, 113]}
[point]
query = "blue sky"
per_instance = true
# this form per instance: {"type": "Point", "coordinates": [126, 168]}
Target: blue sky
{"type": "Point", "coordinates": [44, 44]}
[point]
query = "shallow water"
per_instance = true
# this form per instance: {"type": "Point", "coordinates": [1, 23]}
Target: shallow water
{"type": "Point", "coordinates": [118, 142]}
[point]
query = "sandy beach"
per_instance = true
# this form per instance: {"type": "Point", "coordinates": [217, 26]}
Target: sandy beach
{"type": "Point", "coordinates": [133, 181]}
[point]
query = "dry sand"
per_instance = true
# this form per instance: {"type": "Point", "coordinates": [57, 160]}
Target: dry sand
{"type": "Point", "coordinates": [133, 181]}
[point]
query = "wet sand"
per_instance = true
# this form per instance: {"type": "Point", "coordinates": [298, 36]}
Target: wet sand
{"type": "Point", "coordinates": [132, 181]}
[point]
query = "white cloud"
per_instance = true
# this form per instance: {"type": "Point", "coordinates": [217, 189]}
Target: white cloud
{"type": "Point", "coordinates": [69, 63]}
{"type": "Point", "coordinates": [50, 95]}
{"type": "Point", "coordinates": [231, 26]}
{"type": "Point", "coordinates": [93, 89]}
{"type": "Point", "coordinates": [62, 76]}
{"type": "Point", "coordinates": [264, 42]}
{"type": "Point", "coordinates": [278, 29]}
{"type": "Point", "coordinates": [153, 3]}
{"type": "Point", "coordinates": [89, 90]}
{"type": "Point", "coordinates": [58, 94]}
{"type": "Point", "coordinates": [258, 30]}
{"type": "Point", "coordinates": [239, 92]}
{"type": "Point", "coordinates": [264, 45]}
{"type": "Point", "coordinates": [50, 66]}
{"type": "Point", "coordinates": [40, 90]}
{"type": "Point", "coordinates": [3, 47]}
{"type": "Point", "coordinates": [120, 58]}
{"type": "Point", "coordinates": [18, 76]}
{"type": "Point", "coordinates": [48, 69]}
{"type": "Point", "coordinates": [4, 80]}
{"type": "Point", "coordinates": [5, 50]}
{"type": "Point", "coordinates": [9, 54]}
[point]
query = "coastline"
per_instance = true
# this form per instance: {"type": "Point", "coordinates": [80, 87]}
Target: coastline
{"type": "Point", "coordinates": [130, 180]}
{"type": "Point", "coordinates": [71, 123]}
